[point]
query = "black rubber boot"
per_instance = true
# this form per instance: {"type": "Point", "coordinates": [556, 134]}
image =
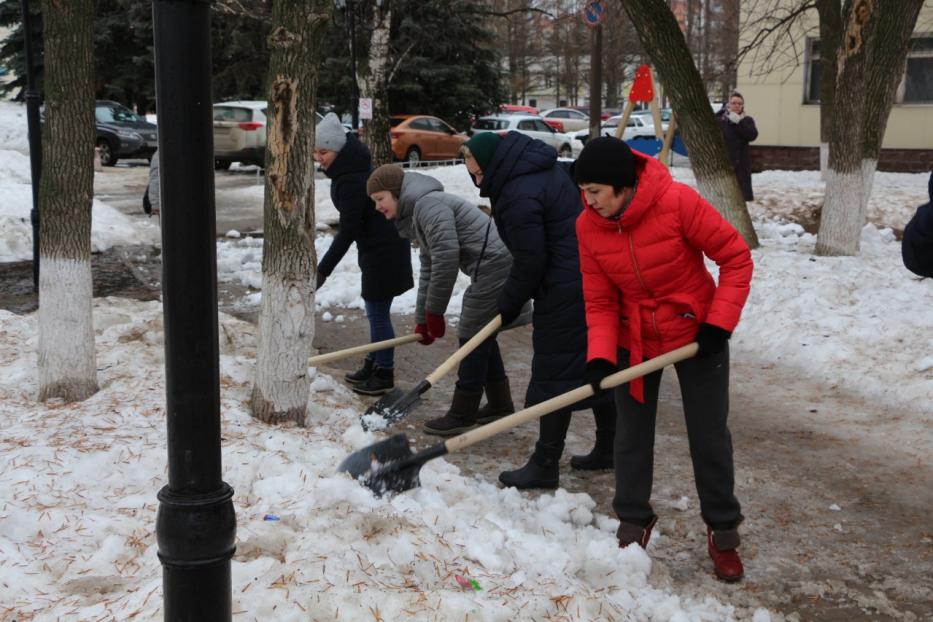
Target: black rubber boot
{"type": "Point", "coordinates": [460, 418]}
{"type": "Point", "coordinates": [498, 402]}
{"type": "Point", "coordinates": [381, 381]}
{"type": "Point", "coordinates": [362, 374]}
{"type": "Point", "coordinates": [542, 470]}
{"type": "Point", "coordinates": [601, 458]}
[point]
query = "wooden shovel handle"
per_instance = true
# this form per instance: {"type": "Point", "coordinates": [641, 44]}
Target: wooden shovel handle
{"type": "Point", "coordinates": [320, 359]}
{"type": "Point", "coordinates": [566, 399]}
{"type": "Point", "coordinates": [464, 350]}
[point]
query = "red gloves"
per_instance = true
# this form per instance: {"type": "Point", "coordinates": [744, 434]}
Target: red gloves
{"type": "Point", "coordinates": [436, 324]}
{"type": "Point", "coordinates": [426, 338]}
{"type": "Point", "coordinates": [433, 328]}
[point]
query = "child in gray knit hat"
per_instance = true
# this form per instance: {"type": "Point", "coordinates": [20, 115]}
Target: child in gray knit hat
{"type": "Point", "coordinates": [330, 134]}
{"type": "Point", "coordinates": [384, 258]}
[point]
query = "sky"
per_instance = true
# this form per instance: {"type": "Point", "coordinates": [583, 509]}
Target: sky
{"type": "Point", "coordinates": [78, 481]}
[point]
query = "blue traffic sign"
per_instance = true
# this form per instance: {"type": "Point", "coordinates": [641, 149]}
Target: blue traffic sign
{"type": "Point", "coordinates": [594, 12]}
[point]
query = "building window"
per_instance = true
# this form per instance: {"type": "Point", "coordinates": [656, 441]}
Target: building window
{"type": "Point", "coordinates": [813, 72]}
{"type": "Point", "coordinates": [916, 87]}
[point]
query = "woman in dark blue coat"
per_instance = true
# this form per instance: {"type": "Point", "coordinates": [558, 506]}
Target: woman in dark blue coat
{"type": "Point", "coordinates": [917, 246]}
{"type": "Point", "coordinates": [535, 205]}
{"type": "Point", "coordinates": [384, 257]}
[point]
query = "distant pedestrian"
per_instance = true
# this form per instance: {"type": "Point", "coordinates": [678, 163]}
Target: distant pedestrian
{"type": "Point", "coordinates": [384, 258]}
{"type": "Point", "coordinates": [917, 246]}
{"type": "Point", "coordinates": [738, 130]}
{"type": "Point", "coordinates": [643, 238]}
{"type": "Point", "coordinates": [453, 236]}
{"type": "Point", "coordinates": [152, 198]}
{"type": "Point", "coordinates": [535, 204]}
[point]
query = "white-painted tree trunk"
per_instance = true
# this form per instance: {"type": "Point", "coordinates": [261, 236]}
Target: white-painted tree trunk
{"type": "Point", "coordinates": [843, 215]}
{"type": "Point", "coordinates": [869, 166]}
{"type": "Point", "coordinates": [286, 330]}
{"type": "Point", "coordinates": [286, 318]}
{"type": "Point", "coordinates": [67, 361]}
{"type": "Point", "coordinates": [824, 160]}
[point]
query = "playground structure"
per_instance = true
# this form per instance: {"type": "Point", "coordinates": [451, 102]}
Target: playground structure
{"type": "Point", "coordinates": [665, 141]}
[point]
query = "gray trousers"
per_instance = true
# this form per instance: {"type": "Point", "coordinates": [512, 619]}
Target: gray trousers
{"type": "Point", "coordinates": [704, 387]}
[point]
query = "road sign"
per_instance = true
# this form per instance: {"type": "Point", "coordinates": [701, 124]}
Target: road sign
{"type": "Point", "coordinates": [594, 13]}
{"type": "Point", "coordinates": [366, 108]}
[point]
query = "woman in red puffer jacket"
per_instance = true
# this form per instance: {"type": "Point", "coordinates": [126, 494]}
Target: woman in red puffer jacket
{"type": "Point", "coordinates": [642, 239]}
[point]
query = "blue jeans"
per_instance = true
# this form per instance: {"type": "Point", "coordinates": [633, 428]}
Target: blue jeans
{"type": "Point", "coordinates": [481, 366]}
{"type": "Point", "coordinates": [380, 329]}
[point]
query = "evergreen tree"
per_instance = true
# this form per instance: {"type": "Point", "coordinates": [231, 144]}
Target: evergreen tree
{"type": "Point", "coordinates": [442, 60]}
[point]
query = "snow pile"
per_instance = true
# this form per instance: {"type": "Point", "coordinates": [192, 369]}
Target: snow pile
{"type": "Point", "coordinates": [76, 527]}
{"type": "Point", "coordinates": [109, 227]}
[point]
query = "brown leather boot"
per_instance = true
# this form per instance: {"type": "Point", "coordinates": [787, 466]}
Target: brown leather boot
{"type": "Point", "coordinates": [460, 418]}
{"type": "Point", "coordinates": [498, 402]}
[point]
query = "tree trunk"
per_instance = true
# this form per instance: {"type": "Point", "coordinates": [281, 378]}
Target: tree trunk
{"type": "Point", "coordinates": [67, 361]}
{"type": "Point", "coordinates": [374, 85]}
{"type": "Point", "coordinates": [830, 12]}
{"type": "Point", "coordinates": [870, 63]}
{"type": "Point", "coordinates": [665, 46]}
{"type": "Point", "coordinates": [286, 318]}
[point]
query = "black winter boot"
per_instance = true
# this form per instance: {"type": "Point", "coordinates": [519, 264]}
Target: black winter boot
{"type": "Point", "coordinates": [362, 374]}
{"type": "Point", "coordinates": [498, 402]}
{"type": "Point", "coordinates": [381, 381]}
{"type": "Point", "coordinates": [542, 470]}
{"type": "Point", "coordinates": [601, 458]}
{"type": "Point", "coordinates": [460, 418]}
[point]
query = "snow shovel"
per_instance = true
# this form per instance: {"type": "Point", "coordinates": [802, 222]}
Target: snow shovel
{"type": "Point", "coordinates": [391, 465]}
{"type": "Point", "coordinates": [320, 359]}
{"type": "Point", "coordinates": [395, 405]}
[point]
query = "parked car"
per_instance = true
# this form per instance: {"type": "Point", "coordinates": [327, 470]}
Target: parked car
{"type": "Point", "coordinates": [532, 126]}
{"type": "Point", "coordinates": [517, 109]}
{"type": "Point", "coordinates": [422, 137]}
{"type": "Point", "coordinates": [239, 133]}
{"type": "Point", "coordinates": [649, 117]}
{"type": "Point", "coordinates": [121, 133]}
{"type": "Point", "coordinates": [569, 120]}
{"type": "Point", "coordinates": [639, 125]}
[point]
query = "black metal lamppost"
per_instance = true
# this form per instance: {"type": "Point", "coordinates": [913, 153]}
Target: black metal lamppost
{"type": "Point", "coordinates": [348, 6]}
{"type": "Point", "coordinates": [35, 139]}
{"type": "Point", "coordinates": [196, 523]}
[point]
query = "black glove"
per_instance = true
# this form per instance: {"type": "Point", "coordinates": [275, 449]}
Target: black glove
{"type": "Point", "coordinates": [509, 314]}
{"type": "Point", "coordinates": [320, 280]}
{"type": "Point", "coordinates": [711, 339]}
{"type": "Point", "coordinates": [596, 371]}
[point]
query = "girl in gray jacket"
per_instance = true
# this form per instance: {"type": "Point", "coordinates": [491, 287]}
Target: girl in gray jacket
{"type": "Point", "coordinates": [453, 235]}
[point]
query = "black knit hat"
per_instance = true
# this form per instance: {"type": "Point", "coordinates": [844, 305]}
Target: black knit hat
{"type": "Point", "coordinates": [605, 160]}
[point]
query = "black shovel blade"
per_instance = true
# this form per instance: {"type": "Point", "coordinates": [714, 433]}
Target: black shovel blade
{"type": "Point", "coordinates": [394, 405]}
{"type": "Point", "coordinates": [390, 465]}
{"type": "Point", "coordinates": [370, 458]}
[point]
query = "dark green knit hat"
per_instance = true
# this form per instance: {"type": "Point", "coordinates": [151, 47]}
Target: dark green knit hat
{"type": "Point", "coordinates": [483, 146]}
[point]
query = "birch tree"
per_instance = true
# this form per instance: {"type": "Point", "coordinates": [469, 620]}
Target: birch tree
{"type": "Point", "coordinates": [670, 57]}
{"type": "Point", "coordinates": [374, 82]}
{"type": "Point", "coordinates": [870, 62]}
{"type": "Point", "coordinates": [286, 318]}
{"type": "Point", "coordinates": [67, 361]}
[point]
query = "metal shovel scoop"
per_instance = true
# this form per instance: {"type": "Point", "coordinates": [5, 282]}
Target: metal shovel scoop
{"type": "Point", "coordinates": [392, 466]}
{"type": "Point", "coordinates": [395, 405]}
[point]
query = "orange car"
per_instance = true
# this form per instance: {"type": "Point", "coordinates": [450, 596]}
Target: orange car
{"type": "Point", "coordinates": [421, 137]}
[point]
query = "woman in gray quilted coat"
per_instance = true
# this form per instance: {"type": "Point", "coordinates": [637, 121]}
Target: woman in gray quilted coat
{"type": "Point", "coordinates": [453, 235]}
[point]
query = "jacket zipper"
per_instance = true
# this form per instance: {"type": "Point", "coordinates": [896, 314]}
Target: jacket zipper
{"type": "Point", "coordinates": [631, 246]}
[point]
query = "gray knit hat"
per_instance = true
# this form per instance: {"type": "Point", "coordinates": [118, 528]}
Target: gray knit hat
{"type": "Point", "coordinates": [386, 177]}
{"type": "Point", "coordinates": [330, 133]}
